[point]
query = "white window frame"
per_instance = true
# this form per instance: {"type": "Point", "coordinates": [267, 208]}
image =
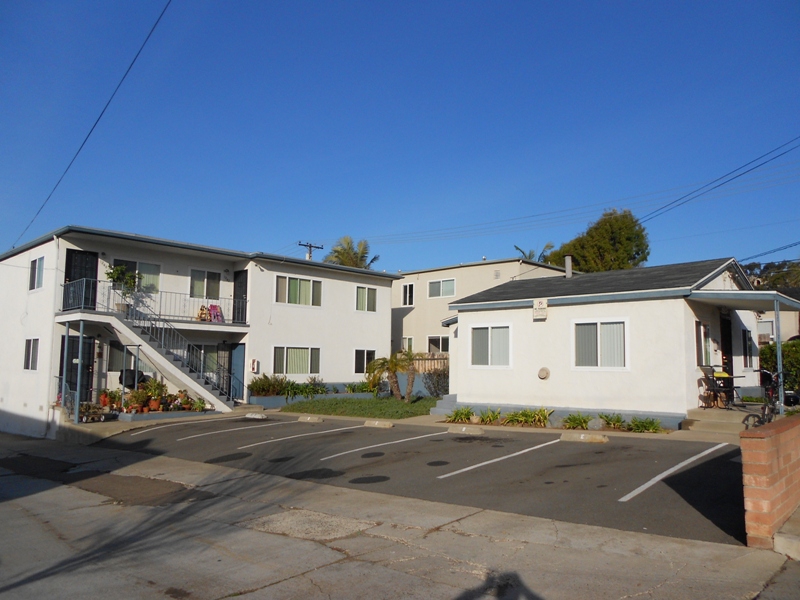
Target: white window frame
{"type": "Point", "coordinates": [36, 274]}
{"type": "Point", "coordinates": [491, 326]}
{"type": "Point", "coordinates": [285, 299]}
{"type": "Point", "coordinates": [748, 346]}
{"type": "Point", "coordinates": [137, 273]}
{"type": "Point", "coordinates": [407, 344]}
{"type": "Point", "coordinates": [440, 338]}
{"type": "Point", "coordinates": [205, 272]}
{"type": "Point", "coordinates": [367, 291]}
{"type": "Point", "coordinates": [702, 335]}
{"type": "Point", "coordinates": [366, 360]}
{"type": "Point", "coordinates": [440, 281]}
{"type": "Point", "coordinates": [31, 362]}
{"type": "Point", "coordinates": [286, 359]}
{"type": "Point", "coordinates": [598, 322]}
{"type": "Point", "coordinates": [408, 291]}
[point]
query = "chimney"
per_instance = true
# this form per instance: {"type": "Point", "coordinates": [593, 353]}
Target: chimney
{"type": "Point", "coordinates": [568, 265]}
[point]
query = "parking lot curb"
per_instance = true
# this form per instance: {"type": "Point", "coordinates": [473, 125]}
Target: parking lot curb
{"type": "Point", "coordinates": [310, 419]}
{"type": "Point", "coordinates": [467, 429]}
{"type": "Point", "coordinates": [375, 423]}
{"type": "Point", "coordinates": [592, 438]}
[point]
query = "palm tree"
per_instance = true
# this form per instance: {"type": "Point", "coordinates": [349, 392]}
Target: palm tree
{"type": "Point", "coordinates": [390, 367]}
{"type": "Point", "coordinates": [531, 254]}
{"type": "Point", "coordinates": [411, 372]}
{"type": "Point", "coordinates": [348, 254]}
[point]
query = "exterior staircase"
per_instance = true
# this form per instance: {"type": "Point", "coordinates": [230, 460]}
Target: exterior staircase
{"type": "Point", "coordinates": [719, 420]}
{"type": "Point", "coordinates": [445, 406]}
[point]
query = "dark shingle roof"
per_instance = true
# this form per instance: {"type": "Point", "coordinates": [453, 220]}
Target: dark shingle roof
{"type": "Point", "coordinates": [684, 275]}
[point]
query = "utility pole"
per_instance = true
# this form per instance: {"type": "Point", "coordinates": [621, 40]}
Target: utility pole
{"type": "Point", "coordinates": [310, 247]}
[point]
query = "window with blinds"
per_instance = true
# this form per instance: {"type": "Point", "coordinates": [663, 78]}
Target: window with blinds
{"type": "Point", "coordinates": [289, 360]}
{"type": "Point", "coordinates": [366, 299]}
{"type": "Point", "coordinates": [295, 290]}
{"type": "Point", "coordinates": [490, 346]}
{"type": "Point", "coordinates": [600, 344]}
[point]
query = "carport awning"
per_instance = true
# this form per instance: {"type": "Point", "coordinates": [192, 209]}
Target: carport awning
{"type": "Point", "coordinates": [759, 300]}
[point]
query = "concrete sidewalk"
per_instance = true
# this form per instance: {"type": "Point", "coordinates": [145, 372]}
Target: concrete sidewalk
{"type": "Point", "coordinates": [90, 522]}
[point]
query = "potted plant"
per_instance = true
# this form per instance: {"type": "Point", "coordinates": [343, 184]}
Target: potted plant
{"type": "Point", "coordinates": [103, 397]}
{"type": "Point", "coordinates": [199, 405]}
{"type": "Point", "coordinates": [155, 392]}
{"type": "Point", "coordinates": [114, 399]}
{"type": "Point", "coordinates": [124, 282]}
{"type": "Point", "coordinates": [136, 400]}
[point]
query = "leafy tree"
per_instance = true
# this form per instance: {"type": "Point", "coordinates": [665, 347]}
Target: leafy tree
{"type": "Point", "coordinates": [773, 275]}
{"type": "Point", "coordinates": [615, 241]}
{"type": "Point", "coordinates": [791, 362]}
{"type": "Point", "coordinates": [348, 254]}
{"type": "Point", "coordinates": [531, 254]}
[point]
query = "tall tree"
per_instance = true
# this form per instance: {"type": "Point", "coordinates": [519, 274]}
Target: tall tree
{"type": "Point", "coordinates": [531, 254]}
{"type": "Point", "coordinates": [773, 275]}
{"type": "Point", "coordinates": [348, 254]}
{"type": "Point", "coordinates": [615, 241]}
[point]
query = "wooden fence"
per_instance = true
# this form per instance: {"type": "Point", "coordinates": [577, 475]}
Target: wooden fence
{"type": "Point", "coordinates": [430, 361]}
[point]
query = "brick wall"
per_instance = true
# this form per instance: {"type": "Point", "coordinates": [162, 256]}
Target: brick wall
{"type": "Point", "coordinates": [771, 478]}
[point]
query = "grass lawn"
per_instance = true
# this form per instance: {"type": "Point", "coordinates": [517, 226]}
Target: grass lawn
{"type": "Point", "coordinates": [374, 408]}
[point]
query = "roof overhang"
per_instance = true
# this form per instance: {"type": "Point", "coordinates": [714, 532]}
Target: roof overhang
{"type": "Point", "coordinates": [758, 300]}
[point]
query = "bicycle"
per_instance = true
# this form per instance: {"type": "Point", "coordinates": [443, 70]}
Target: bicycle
{"type": "Point", "coordinates": [771, 382]}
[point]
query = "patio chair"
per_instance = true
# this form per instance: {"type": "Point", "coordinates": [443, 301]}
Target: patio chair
{"type": "Point", "coordinates": [717, 393]}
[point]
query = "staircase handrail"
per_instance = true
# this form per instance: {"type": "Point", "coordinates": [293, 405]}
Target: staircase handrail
{"type": "Point", "coordinates": [162, 331]}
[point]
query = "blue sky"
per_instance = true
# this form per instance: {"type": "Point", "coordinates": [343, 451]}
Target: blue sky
{"type": "Point", "coordinates": [442, 132]}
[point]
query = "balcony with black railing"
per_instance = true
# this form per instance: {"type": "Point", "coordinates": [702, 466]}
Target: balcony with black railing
{"type": "Point", "coordinates": [105, 296]}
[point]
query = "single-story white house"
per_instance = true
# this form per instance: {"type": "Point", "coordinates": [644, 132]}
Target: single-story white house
{"type": "Point", "coordinates": [629, 341]}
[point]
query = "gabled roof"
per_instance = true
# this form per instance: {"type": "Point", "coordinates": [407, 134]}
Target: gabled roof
{"type": "Point", "coordinates": [143, 239]}
{"type": "Point", "coordinates": [637, 283]}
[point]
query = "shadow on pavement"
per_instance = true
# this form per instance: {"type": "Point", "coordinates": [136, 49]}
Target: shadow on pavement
{"type": "Point", "coordinates": [507, 586]}
{"type": "Point", "coordinates": [714, 489]}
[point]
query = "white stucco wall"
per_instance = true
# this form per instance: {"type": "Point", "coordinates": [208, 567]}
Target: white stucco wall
{"type": "Point", "coordinates": [424, 318]}
{"type": "Point", "coordinates": [25, 395]}
{"type": "Point", "coordinates": [336, 327]}
{"type": "Point", "coordinates": [660, 375]}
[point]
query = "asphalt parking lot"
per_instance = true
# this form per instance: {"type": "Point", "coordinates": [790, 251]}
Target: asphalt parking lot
{"type": "Point", "coordinates": [681, 489]}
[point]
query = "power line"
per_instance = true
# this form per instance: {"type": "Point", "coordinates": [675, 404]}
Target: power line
{"type": "Point", "coordinates": [690, 196]}
{"type": "Point", "coordinates": [771, 251]}
{"type": "Point", "coordinates": [102, 112]}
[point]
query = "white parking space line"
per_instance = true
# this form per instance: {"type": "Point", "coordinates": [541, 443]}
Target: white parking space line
{"type": "Point", "coordinates": [290, 437]}
{"type": "Point", "coordinates": [419, 437]}
{"type": "Point", "coordinates": [669, 472]}
{"type": "Point", "coordinates": [149, 429]}
{"type": "Point", "coordinates": [494, 460]}
{"type": "Point", "coordinates": [234, 429]}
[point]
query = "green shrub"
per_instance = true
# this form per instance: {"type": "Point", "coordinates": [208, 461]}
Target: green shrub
{"type": "Point", "coordinates": [576, 421]}
{"type": "Point", "coordinates": [613, 421]}
{"type": "Point", "coordinates": [791, 362]}
{"type": "Point", "coordinates": [489, 416]}
{"type": "Point", "coordinates": [791, 411]}
{"type": "Point", "coordinates": [437, 382]}
{"type": "Point", "coordinates": [526, 416]}
{"type": "Point", "coordinates": [752, 399]}
{"type": "Point", "coordinates": [647, 425]}
{"type": "Point", "coordinates": [292, 389]}
{"type": "Point", "coordinates": [460, 415]}
{"type": "Point", "coordinates": [268, 385]}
